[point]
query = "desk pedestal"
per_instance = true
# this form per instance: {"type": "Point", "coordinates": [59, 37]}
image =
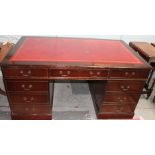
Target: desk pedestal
{"type": "Point", "coordinates": [115, 99]}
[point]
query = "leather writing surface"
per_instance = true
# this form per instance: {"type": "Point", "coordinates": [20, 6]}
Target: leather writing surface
{"type": "Point", "coordinates": [74, 50]}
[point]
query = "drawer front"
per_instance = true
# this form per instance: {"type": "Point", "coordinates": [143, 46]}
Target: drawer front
{"type": "Point", "coordinates": [120, 98]}
{"type": "Point", "coordinates": [94, 73]}
{"type": "Point", "coordinates": [23, 109]}
{"type": "Point", "coordinates": [63, 73]}
{"type": "Point", "coordinates": [31, 110]}
{"type": "Point", "coordinates": [116, 108]}
{"type": "Point", "coordinates": [21, 72]}
{"type": "Point", "coordinates": [26, 85]}
{"type": "Point", "coordinates": [78, 73]}
{"type": "Point", "coordinates": [29, 99]}
{"type": "Point", "coordinates": [125, 86]}
{"type": "Point", "coordinates": [129, 74]}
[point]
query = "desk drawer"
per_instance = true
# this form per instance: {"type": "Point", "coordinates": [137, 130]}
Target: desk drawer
{"type": "Point", "coordinates": [116, 108]}
{"type": "Point", "coordinates": [95, 73]}
{"type": "Point", "coordinates": [125, 86]}
{"type": "Point", "coordinates": [129, 74]}
{"type": "Point", "coordinates": [120, 98]}
{"type": "Point", "coordinates": [78, 73]}
{"type": "Point", "coordinates": [26, 85]}
{"type": "Point", "coordinates": [31, 110]}
{"type": "Point", "coordinates": [24, 72]}
{"type": "Point", "coordinates": [63, 73]}
{"type": "Point", "coordinates": [29, 99]}
{"type": "Point", "coordinates": [23, 109]}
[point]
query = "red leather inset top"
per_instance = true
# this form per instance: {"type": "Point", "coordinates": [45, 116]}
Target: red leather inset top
{"type": "Point", "coordinates": [74, 50]}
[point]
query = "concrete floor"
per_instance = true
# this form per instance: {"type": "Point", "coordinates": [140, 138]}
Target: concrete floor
{"type": "Point", "coordinates": [72, 101]}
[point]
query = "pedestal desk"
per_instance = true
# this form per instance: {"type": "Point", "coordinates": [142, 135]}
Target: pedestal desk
{"type": "Point", "coordinates": [115, 74]}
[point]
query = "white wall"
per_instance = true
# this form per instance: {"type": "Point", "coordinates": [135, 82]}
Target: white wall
{"type": "Point", "coordinates": [126, 38]}
{"type": "Point", "coordinates": [145, 38]}
{"type": "Point", "coordinates": [9, 38]}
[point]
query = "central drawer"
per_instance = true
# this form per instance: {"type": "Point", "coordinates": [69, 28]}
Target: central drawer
{"type": "Point", "coordinates": [63, 73]}
{"type": "Point", "coordinates": [26, 85]}
{"type": "Point", "coordinates": [81, 73]}
{"type": "Point", "coordinates": [95, 73]}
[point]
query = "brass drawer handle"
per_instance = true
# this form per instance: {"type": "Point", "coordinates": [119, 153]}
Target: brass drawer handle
{"type": "Point", "coordinates": [27, 74]}
{"type": "Point", "coordinates": [91, 73]}
{"type": "Point", "coordinates": [24, 87]}
{"type": "Point", "coordinates": [94, 74]}
{"type": "Point", "coordinates": [126, 73]}
{"type": "Point", "coordinates": [64, 75]}
{"type": "Point", "coordinates": [24, 98]}
{"type": "Point", "coordinates": [68, 72]}
{"type": "Point", "coordinates": [125, 88]}
{"type": "Point", "coordinates": [98, 73]}
{"type": "Point", "coordinates": [128, 87]}
{"type": "Point", "coordinates": [21, 72]}
{"type": "Point", "coordinates": [121, 100]}
{"type": "Point", "coordinates": [133, 73]}
{"type": "Point", "coordinates": [28, 100]}
{"type": "Point", "coordinates": [26, 109]}
{"type": "Point", "coordinates": [61, 72]}
{"type": "Point", "coordinates": [122, 87]}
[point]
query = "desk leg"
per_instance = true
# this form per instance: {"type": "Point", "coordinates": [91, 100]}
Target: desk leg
{"type": "Point", "coordinates": [149, 90]}
{"type": "Point", "coordinates": [149, 79]}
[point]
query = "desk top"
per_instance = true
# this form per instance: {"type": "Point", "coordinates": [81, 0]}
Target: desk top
{"type": "Point", "coordinates": [72, 50]}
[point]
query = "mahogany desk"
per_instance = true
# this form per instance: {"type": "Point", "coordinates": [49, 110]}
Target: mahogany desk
{"type": "Point", "coordinates": [115, 74]}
